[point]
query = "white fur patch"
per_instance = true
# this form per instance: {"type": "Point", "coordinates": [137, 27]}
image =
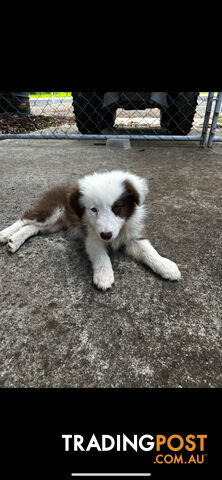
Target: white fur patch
{"type": "Point", "coordinates": [143, 251]}
{"type": "Point", "coordinates": [20, 231]}
{"type": "Point", "coordinates": [103, 278]}
{"type": "Point", "coordinates": [17, 239]}
{"type": "Point", "coordinates": [107, 187]}
{"type": "Point", "coordinates": [7, 232]}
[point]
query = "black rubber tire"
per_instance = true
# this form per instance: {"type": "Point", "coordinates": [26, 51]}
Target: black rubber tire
{"type": "Point", "coordinates": [107, 117]}
{"type": "Point", "coordinates": [178, 117]}
{"type": "Point", "coordinates": [90, 117]}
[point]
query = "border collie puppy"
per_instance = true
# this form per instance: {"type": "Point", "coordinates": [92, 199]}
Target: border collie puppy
{"type": "Point", "coordinates": [105, 209]}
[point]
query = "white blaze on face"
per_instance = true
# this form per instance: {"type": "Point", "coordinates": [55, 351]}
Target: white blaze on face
{"type": "Point", "coordinates": [103, 220]}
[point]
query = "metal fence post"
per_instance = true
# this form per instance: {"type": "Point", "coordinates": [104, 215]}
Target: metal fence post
{"type": "Point", "coordinates": [206, 118]}
{"type": "Point", "coordinates": [215, 118]}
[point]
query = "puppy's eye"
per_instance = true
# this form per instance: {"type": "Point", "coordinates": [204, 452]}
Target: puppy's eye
{"type": "Point", "coordinates": [116, 210]}
{"type": "Point", "coordinates": [94, 210]}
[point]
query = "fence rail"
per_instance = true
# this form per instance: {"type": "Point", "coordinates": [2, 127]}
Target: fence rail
{"type": "Point", "coordinates": [172, 116]}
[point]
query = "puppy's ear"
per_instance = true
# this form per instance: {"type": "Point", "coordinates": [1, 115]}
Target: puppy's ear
{"type": "Point", "coordinates": [74, 200]}
{"type": "Point", "coordinates": [137, 187]}
{"type": "Point", "coordinates": [130, 193]}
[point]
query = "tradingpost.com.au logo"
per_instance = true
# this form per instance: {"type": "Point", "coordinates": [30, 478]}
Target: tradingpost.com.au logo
{"type": "Point", "coordinates": [167, 449]}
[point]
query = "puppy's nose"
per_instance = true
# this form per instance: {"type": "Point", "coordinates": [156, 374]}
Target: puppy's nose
{"type": "Point", "coordinates": [106, 236]}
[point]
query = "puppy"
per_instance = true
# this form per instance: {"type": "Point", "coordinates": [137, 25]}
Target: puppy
{"type": "Point", "coordinates": [103, 209]}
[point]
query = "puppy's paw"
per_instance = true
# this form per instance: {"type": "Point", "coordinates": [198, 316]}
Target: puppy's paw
{"type": "Point", "coordinates": [168, 269]}
{"type": "Point", "coordinates": [3, 236]}
{"type": "Point", "coordinates": [12, 246]}
{"type": "Point", "coordinates": [103, 278]}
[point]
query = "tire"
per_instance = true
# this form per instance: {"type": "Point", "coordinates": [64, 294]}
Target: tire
{"type": "Point", "coordinates": [90, 117]}
{"type": "Point", "coordinates": [178, 117]}
{"type": "Point", "coordinates": [107, 118]}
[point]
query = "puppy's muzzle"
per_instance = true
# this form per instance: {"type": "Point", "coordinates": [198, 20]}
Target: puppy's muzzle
{"type": "Point", "coordinates": [106, 236]}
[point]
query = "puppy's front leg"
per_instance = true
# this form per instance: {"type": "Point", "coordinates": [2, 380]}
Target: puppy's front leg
{"type": "Point", "coordinates": [103, 276]}
{"type": "Point", "coordinates": [143, 251]}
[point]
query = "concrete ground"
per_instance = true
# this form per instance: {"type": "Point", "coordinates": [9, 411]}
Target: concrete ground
{"type": "Point", "coordinates": [58, 330]}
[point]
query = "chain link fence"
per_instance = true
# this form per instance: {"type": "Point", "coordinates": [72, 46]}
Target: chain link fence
{"type": "Point", "coordinates": [103, 115]}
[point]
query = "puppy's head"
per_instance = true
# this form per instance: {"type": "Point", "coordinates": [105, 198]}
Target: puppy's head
{"type": "Point", "coordinates": [108, 200]}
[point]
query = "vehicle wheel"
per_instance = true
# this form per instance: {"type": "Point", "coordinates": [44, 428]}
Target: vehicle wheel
{"type": "Point", "coordinates": [90, 117]}
{"type": "Point", "coordinates": [107, 117]}
{"type": "Point", "coordinates": [178, 117]}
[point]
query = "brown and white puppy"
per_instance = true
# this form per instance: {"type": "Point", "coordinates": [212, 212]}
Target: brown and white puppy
{"type": "Point", "coordinates": [103, 209]}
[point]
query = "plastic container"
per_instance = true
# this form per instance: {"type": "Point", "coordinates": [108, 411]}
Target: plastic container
{"type": "Point", "coordinates": [122, 143]}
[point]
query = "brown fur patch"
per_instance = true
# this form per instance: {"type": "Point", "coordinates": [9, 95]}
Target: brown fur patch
{"type": "Point", "coordinates": [46, 204]}
{"type": "Point", "coordinates": [73, 200]}
{"type": "Point", "coordinates": [131, 191]}
{"type": "Point", "coordinates": [52, 199]}
{"type": "Point", "coordinates": [124, 206]}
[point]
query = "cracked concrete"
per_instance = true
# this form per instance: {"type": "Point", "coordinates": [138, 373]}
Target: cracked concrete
{"type": "Point", "coordinates": [57, 330]}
